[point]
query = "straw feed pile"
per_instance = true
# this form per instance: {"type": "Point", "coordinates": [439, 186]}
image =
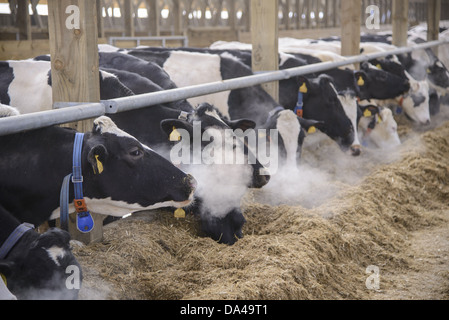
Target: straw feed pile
{"type": "Point", "coordinates": [309, 235]}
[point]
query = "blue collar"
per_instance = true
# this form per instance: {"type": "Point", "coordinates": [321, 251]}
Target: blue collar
{"type": "Point", "coordinates": [299, 105]}
{"type": "Point", "coordinates": [84, 221]}
{"type": "Point", "coordinates": [13, 238]}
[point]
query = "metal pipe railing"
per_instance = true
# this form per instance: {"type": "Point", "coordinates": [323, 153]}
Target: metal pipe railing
{"type": "Point", "coordinates": [41, 119]}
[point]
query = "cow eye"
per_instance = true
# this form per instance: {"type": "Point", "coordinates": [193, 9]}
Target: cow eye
{"type": "Point", "coordinates": [136, 152]}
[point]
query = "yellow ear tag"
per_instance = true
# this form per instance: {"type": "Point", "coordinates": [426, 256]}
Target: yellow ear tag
{"type": "Point", "coordinates": [428, 71]}
{"type": "Point", "coordinates": [2, 276]}
{"type": "Point", "coordinates": [303, 88]}
{"type": "Point", "coordinates": [379, 67]}
{"type": "Point", "coordinates": [175, 135]}
{"type": "Point", "coordinates": [361, 82]}
{"type": "Point", "coordinates": [367, 113]}
{"type": "Point", "coordinates": [311, 130]}
{"type": "Point", "coordinates": [99, 165]}
{"type": "Point", "coordinates": [379, 119]}
{"type": "Point", "coordinates": [180, 213]}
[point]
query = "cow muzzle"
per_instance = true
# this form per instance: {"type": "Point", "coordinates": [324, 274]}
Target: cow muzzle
{"type": "Point", "coordinates": [356, 150]}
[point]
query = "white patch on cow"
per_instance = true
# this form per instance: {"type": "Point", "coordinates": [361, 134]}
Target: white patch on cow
{"type": "Point", "coordinates": [192, 68]}
{"type": "Point", "coordinates": [30, 77]}
{"type": "Point", "coordinates": [106, 125]}
{"type": "Point", "coordinates": [56, 253]}
{"type": "Point", "coordinates": [419, 113]}
{"type": "Point", "coordinates": [121, 208]}
{"type": "Point", "coordinates": [289, 129]}
{"type": "Point", "coordinates": [8, 111]}
{"type": "Point", "coordinates": [283, 58]}
{"type": "Point", "coordinates": [214, 114]}
{"type": "Point", "coordinates": [228, 55]}
{"type": "Point", "coordinates": [107, 48]}
{"type": "Point", "coordinates": [349, 104]}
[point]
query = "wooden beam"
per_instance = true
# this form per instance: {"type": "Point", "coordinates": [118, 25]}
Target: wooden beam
{"type": "Point", "coordinates": [433, 21]}
{"type": "Point", "coordinates": [265, 34]}
{"type": "Point", "coordinates": [154, 17]}
{"type": "Point", "coordinates": [129, 20]}
{"type": "Point", "coordinates": [75, 67]}
{"type": "Point", "coordinates": [350, 27]}
{"type": "Point", "coordinates": [23, 21]}
{"type": "Point", "coordinates": [400, 22]}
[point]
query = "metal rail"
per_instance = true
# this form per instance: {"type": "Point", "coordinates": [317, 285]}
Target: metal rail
{"type": "Point", "coordinates": [164, 40]}
{"type": "Point", "coordinates": [41, 119]}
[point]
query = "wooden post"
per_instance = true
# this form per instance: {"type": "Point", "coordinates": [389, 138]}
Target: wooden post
{"type": "Point", "coordinates": [129, 20]}
{"type": "Point", "coordinates": [154, 17]}
{"type": "Point", "coordinates": [350, 27]}
{"type": "Point", "coordinates": [433, 21]}
{"type": "Point", "coordinates": [177, 17]}
{"type": "Point", "coordinates": [73, 34]}
{"type": "Point", "coordinates": [265, 34]}
{"type": "Point", "coordinates": [400, 22]}
{"type": "Point", "coordinates": [23, 20]}
{"type": "Point", "coordinates": [100, 20]}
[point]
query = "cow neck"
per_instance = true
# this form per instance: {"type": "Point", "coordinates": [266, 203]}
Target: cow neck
{"type": "Point", "coordinates": [84, 221]}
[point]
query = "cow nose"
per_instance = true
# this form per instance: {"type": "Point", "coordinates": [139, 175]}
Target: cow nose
{"type": "Point", "coordinates": [356, 150]}
{"type": "Point", "coordinates": [190, 181]}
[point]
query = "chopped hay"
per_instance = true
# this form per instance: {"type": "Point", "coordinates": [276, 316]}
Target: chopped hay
{"type": "Point", "coordinates": [290, 251]}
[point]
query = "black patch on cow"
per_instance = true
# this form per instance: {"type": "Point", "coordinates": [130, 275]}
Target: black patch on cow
{"type": "Point", "coordinates": [418, 99]}
{"type": "Point", "coordinates": [7, 76]}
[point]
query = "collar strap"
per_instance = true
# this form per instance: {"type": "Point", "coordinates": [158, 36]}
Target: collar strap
{"type": "Point", "coordinates": [13, 238]}
{"type": "Point", "coordinates": [275, 110]}
{"type": "Point", "coordinates": [299, 105]}
{"type": "Point", "coordinates": [84, 221]}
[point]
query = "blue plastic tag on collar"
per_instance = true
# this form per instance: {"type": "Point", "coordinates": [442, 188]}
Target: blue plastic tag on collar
{"type": "Point", "coordinates": [398, 110]}
{"type": "Point", "coordinates": [84, 222]}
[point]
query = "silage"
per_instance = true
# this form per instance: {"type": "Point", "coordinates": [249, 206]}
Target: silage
{"type": "Point", "coordinates": [290, 251]}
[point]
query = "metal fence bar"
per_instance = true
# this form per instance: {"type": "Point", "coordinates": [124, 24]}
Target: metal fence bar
{"type": "Point", "coordinates": [41, 119]}
{"type": "Point", "coordinates": [164, 40]}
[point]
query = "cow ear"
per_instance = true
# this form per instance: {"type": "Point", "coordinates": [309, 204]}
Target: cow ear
{"type": "Point", "coordinates": [171, 126]}
{"type": "Point", "coordinates": [310, 125]}
{"type": "Point", "coordinates": [243, 124]}
{"type": "Point", "coordinates": [97, 157]}
{"type": "Point", "coordinates": [6, 268]}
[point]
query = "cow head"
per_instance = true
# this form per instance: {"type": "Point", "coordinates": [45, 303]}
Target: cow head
{"type": "Point", "coordinates": [204, 138]}
{"type": "Point", "coordinates": [122, 175]}
{"type": "Point", "coordinates": [321, 103]}
{"type": "Point", "coordinates": [377, 127]}
{"type": "Point", "coordinates": [291, 132]}
{"type": "Point", "coordinates": [416, 103]}
{"type": "Point", "coordinates": [375, 83]}
{"type": "Point", "coordinates": [438, 76]}
{"type": "Point", "coordinates": [41, 266]}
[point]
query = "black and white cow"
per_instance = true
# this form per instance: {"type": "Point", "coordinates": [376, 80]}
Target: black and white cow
{"type": "Point", "coordinates": [220, 185]}
{"type": "Point", "coordinates": [352, 86]}
{"type": "Point", "coordinates": [17, 76]}
{"type": "Point", "coordinates": [133, 177]}
{"type": "Point", "coordinates": [144, 125]}
{"type": "Point", "coordinates": [37, 266]}
{"type": "Point", "coordinates": [189, 68]}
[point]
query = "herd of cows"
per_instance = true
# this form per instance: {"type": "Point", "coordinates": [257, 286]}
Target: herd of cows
{"type": "Point", "coordinates": [125, 159]}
